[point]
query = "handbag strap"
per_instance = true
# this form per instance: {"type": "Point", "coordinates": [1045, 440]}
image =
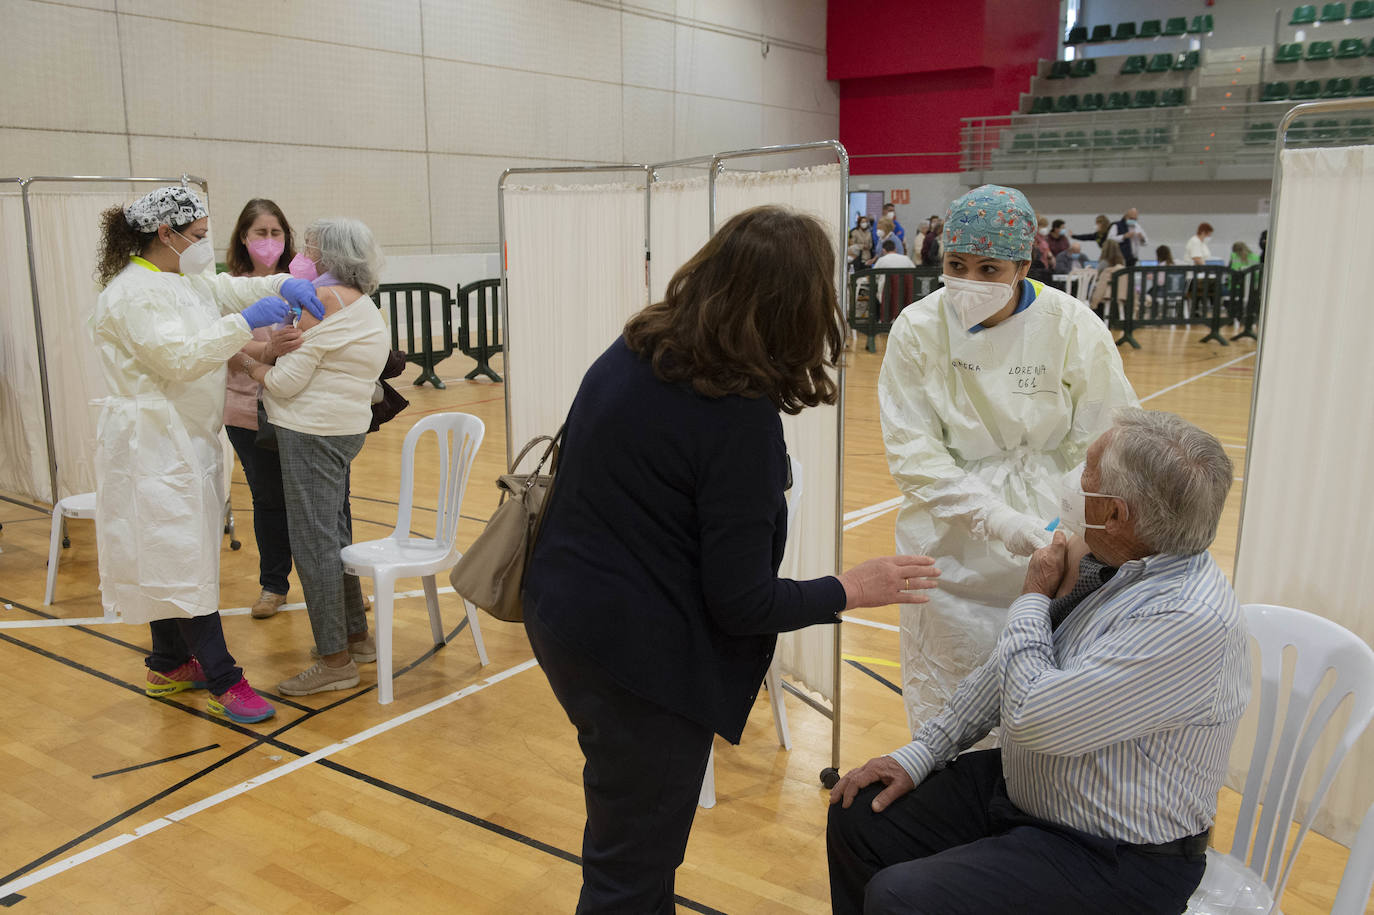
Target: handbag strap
{"type": "Point", "coordinates": [551, 451]}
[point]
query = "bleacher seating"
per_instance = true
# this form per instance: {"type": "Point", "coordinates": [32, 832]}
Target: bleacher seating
{"type": "Point", "coordinates": [1075, 139]}
{"type": "Point", "coordinates": [1320, 50]}
{"type": "Point", "coordinates": [1305, 89]}
{"type": "Point", "coordinates": [1090, 101]}
{"type": "Point", "coordinates": [1044, 104]}
{"type": "Point", "coordinates": [1133, 64]}
{"type": "Point", "coordinates": [1362, 9]}
{"type": "Point", "coordinates": [1145, 98]}
{"type": "Point", "coordinates": [1172, 98]}
{"type": "Point", "coordinates": [1160, 63]}
{"type": "Point", "coordinates": [1125, 31]}
{"type": "Point", "coordinates": [1288, 53]}
{"type": "Point", "coordinates": [1337, 87]}
{"type": "Point", "coordinates": [1274, 92]}
{"type": "Point", "coordinates": [1117, 100]}
{"type": "Point", "coordinates": [1260, 134]}
{"type": "Point", "coordinates": [1150, 28]}
{"type": "Point", "coordinates": [1100, 33]}
{"type": "Point", "coordinates": [1059, 69]}
{"type": "Point", "coordinates": [1304, 15]}
{"type": "Point", "coordinates": [1360, 129]}
{"type": "Point", "coordinates": [1077, 35]}
{"type": "Point", "coordinates": [1188, 60]}
{"type": "Point", "coordinates": [1049, 141]}
{"type": "Point", "coordinates": [1176, 26]}
{"type": "Point", "coordinates": [1065, 104]}
{"type": "Point", "coordinates": [1365, 86]}
{"type": "Point", "coordinates": [1201, 25]}
{"type": "Point", "coordinates": [1333, 12]}
{"type": "Point", "coordinates": [1082, 67]}
{"type": "Point", "coordinates": [1103, 139]}
{"type": "Point", "coordinates": [1350, 47]}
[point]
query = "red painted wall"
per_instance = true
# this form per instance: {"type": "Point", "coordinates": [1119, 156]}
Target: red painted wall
{"type": "Point", "coordinates": [910, 69]}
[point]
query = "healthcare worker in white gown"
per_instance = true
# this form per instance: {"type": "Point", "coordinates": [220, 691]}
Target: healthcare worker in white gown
{"type": "Point", "coordinates": [991, 388]}
{"type": "Point", "coordinates": [164, 327]}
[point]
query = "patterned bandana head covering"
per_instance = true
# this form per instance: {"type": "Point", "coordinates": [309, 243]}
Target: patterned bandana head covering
{"type": "Point", "coordinates": [166, 206]}
{"type": "Point", "coordinates": [991, 221]}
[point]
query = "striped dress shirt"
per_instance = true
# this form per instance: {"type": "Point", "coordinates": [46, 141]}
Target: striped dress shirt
{"type": "Point", "coordinates": [1119, 722]}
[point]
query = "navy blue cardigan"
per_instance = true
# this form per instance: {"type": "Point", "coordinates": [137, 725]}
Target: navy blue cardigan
{"type": "Point", "coordinates": [659, 552]}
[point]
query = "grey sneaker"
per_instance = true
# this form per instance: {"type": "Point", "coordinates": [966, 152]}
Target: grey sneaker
{"type": "Point", "coordinates": [364, 652]}
{"type": "Point", "coordinates": [320, 678]}
{"type": "Point", "coordinates": [267, 605]}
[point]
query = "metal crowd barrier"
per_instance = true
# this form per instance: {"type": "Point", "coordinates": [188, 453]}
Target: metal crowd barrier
{"type": "Point", "coordinates": [874, 305]}
{"type": "Point", "coordinates": [1157, 296]}
{"type": "Point", "coordinates": [413, 307]}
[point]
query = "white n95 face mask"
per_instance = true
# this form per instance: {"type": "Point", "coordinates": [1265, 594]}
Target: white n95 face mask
{"type": "Point", "coordinates": [974, 301]}
{"type": "Point", "coordinates": [197, 257]}
{"type": "Point", "coordinates": [1073, 501]}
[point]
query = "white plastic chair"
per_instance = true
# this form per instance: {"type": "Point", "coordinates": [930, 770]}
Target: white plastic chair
{"type": "Point", "coordinates": [1352, 896]}
{"type": "Point", "coordinates": [773, 679]}
{"type": "Point", "coordinates": [81, 505]}
{"type": "Point", "coordinates": [1252, 876]}
{"type": "Point", "coordinates": [401, 555]}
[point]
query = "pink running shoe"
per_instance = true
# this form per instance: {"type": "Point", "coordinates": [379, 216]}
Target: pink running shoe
{"type": "Point", "coordinates": [240, 703]}
{"type": "Point", "coordinates": [187, 676]}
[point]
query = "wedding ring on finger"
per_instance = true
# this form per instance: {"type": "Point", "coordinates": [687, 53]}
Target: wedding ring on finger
{"type": "Point", "coordinates": [907, 583]}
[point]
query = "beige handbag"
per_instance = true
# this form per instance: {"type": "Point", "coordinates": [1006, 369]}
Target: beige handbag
{"type": "Point", "coordinates": [492, 571]}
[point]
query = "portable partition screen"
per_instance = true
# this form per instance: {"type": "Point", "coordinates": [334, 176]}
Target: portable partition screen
{"type": "Point", "coordinates": [49, 371]}
{"type": "Point", "coordinates": [575, 270]}
{"type": "Point", "coordinates": [1306, 532]}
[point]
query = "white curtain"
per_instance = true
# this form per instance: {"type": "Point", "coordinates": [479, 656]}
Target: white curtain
{"type": "Point", "coordinates": [679, 224]}
{"type": "Point", "coordinates": [575, 273]}
{"type": "Point", "coordinates": [23, 452]}
{"type": "Point", "coordinates": [1307, 529]}
{"type": "Point", "coordinates": [813, 436]}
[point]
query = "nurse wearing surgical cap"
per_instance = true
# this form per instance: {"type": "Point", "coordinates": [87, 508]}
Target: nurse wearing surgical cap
{"type": "Point", "coordinates": [992, 388]}
{"type": "Point", "coordinates": [164, 326]}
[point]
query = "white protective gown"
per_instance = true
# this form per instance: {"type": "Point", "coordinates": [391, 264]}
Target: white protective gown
{"type": "Point", "coordinates": [972, 422]}
{"type": "Point", "coordinates": [163, 345]}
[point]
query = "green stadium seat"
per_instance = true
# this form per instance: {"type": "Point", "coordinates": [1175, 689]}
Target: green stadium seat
{"type": "Point", "coordinates": [1059, 69]}
{"type": "Point", "coordinates": [1118, 100]}
{"type": "Point", "coordinates": [1274, 92]}
{"type": "Point", "coordinates": [1103, 139]}
{"type": "Point", "coordinates": [1023, 143]}
{"type": "Point", "coordinates": [1145, 98]}
{"type": "Point", "coordinates": [1288, 53]}
{"type": "Point", "coordinates": [1369, 46]}
{"type": "Point", "coordinates": [1300, 133]}
{"type": "Point", "coordinates": [1362, 9]}
{"type": "Point", "coordinates": [1077, 35]}
{"type": "Point", "coordinates": [1171, 98]}
{"type": "Point", "coordinates": [1084, 66]}
{"type": "Point", "coordinates": [1326, 131]}
{"type": "Point", "coordinates": [1042, 104]}
{"type": "Point", "coordinates": [1090, 101]}
{"type": "Point", "coordinates": [1066, 104]}
{"type": "Point", "coordinates": [1160, 63]}
{"type": "Point", "coordinates": [1150, 28]}
{"type": "Point", "coordinates": [1333, 12]}
{"type": "Point", "coordinates": [1125, 31]}
{"type": "Point", "coordinates": [1304, 15]}
{"type": "Point", "coordinates": [1350, 47]}
{"type": "Point", "coordinates": [1158, 137]}
{"type": "Point", "coordinates": [1201, 25]}
{"type": "Point", "coordinates": [1075, 139]}
{"type": "Point", "coordinates": [1128, 138]}
{"type": "Point", "coordinates": [1306, 89]}
{"type": "Point", "coordinates": [1360, 129]}
{"type": "Point", "coordinates": [1100, 33]}
{"type": "Point", "coordinates": [1365, 86]}
{"type": "Point", "coordinates": [1260, 134]}
{"type": "Point", "coordinates": [1320, 50]}
{"type": "Point", "coordinates": [1133, 64]}
{"type": "Point", "coordinates": [1337, 87]}
{"type": "Point", "coordinates": [1049, 141]}
{"type": "Point", "coordinates": [1178, 25]}
{"type": "Point", "coordinates": [1188, 60]}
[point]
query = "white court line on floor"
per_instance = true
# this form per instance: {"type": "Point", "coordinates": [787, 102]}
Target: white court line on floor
{"type": "Point", "coordinates": [868, 513]}
{"type": "Point", "coordinates": [52, 870]}
{"type": "Point", "coordinates": [870, 623]}
{"type": "Point", "coordinates": [231, 611]}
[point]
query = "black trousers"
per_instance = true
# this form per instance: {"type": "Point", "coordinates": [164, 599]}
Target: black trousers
{"type": "Point", "coordinates": [176, 641]}
{"type": "Point", "coordinates": [641, 780]}
{"type": "Point", "coordinates": [262, 468]}
{"type": "Point", "coordinates": [957, 844]}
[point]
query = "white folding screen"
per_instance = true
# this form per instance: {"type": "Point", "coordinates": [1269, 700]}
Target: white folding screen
{"type": "Point", "coordinates": [813, 435]}
{"type": "Point", "coordinates": [1306, 527]}
{"type": "Point", "coordinates": [574, 274]}
{"type": "Point", "coordinates": [23, 452]}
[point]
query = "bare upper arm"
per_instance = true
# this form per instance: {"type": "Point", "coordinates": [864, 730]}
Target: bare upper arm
{"type": "Point", "coordinates": [330, 297]}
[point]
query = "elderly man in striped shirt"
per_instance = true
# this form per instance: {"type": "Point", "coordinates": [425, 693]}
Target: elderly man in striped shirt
{"type": "Point", "coordinates": [1118, 684]}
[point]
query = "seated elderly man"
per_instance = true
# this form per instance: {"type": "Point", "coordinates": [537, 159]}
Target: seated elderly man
{"type": "Point", "coordinates": [1118, 683]}
{"type": "Point", "coordinates": [1070, 259]}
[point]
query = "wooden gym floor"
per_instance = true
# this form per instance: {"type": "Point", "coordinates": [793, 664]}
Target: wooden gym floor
{"type": "Point", "coordinates": [464, 795]}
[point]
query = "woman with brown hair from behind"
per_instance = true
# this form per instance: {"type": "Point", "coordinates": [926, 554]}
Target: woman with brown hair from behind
{"type": "Point", "coordinates": [652, 599]}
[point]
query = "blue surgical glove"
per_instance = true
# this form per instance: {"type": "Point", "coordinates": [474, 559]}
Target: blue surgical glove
{"type": "Point", "coordinates": [301, 294]}
{"type": "Point", "coordinates": [266, 312]}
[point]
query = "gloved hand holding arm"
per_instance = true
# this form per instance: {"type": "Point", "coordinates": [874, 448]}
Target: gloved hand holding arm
{"type": "Point", "coordinates": [301, 294]}
{"type": "Point", "coordinates": [265, 312]}
{"type": "Point", "coordinates": [1021, 533]}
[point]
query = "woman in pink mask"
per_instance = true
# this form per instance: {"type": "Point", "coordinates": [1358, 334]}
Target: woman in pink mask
{"type": "Point", "coordinates": [262, 244]}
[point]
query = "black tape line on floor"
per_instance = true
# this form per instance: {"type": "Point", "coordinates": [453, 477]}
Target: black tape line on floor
{"type": "Point", "coordinates": [876, 676]}
{"type": "Point", "coordinates": [157, 762]}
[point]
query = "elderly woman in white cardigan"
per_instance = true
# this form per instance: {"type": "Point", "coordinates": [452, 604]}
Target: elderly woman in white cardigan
{"type": "Point", "coordinates": [319, 398]}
